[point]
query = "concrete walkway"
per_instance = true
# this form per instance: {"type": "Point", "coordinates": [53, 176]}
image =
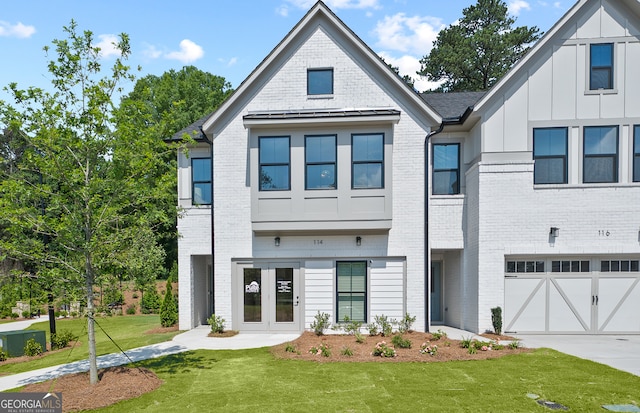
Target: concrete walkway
{"type": "Point", "coordinates": [620, 352]}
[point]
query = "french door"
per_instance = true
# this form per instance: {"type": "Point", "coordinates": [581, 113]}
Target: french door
{"type": "Point", "coordinates": [268, 297]}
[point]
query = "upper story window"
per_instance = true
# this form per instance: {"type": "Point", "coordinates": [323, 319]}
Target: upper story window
{"type": "Point", "coordinates": [367, 156]}
{"type": "Point", "coordinates": [320, 161]}
{"type": "Point", "coordinates": [446, 169]}
{"type": "Point", "coordinates": [320, 82]}
{"type": "Point", "coordinates": [636, 153]}
{"type": "Point", "coordinates": [275, 164]}
{"type": "Point", "coordinates": [550, 155]}
{"type": "Point", "coordinates": [601, 66]}
{"type": "Point", "coordinates": [201, 181]}
{"type": "Point", "coordinates": [600, 163]}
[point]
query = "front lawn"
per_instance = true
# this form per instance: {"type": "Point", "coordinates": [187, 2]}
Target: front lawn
{"type": "Point", "coordinates": [253, 380]}
{"type": "Point", "coordinates": [127, 331]}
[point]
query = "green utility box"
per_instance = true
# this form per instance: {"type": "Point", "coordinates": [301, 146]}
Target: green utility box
{"type": "Point", "coordinates": [13, 342]}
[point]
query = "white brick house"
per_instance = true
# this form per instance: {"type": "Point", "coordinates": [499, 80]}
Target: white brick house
{"type": "Point", "coordinates": [312, 175]}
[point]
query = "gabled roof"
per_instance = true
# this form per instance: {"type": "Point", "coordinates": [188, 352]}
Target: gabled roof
{"type": "Point", "coordinates": [537, 49]}
{"type": "Point", "coordinates": [452, 105]}
{"type": "Point", "coordinates": [319, 14]}
{"type": "Point", "coordinates": [194, 130]}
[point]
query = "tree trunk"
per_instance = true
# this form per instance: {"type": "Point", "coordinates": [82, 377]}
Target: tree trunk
{"type": "Point", "coordinates": [93, 361]}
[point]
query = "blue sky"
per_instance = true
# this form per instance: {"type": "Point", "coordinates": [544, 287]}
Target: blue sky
{"type": "Point", "coordinates": [228, 38]}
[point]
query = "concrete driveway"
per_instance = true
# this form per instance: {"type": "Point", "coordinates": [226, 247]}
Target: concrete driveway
{"type": "Point", "coordinates": [621, 352]}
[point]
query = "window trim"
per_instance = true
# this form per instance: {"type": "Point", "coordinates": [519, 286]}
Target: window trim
{"type": "Point", "coordinates": [334, 163]}
{"type": "Point", "coordinates": [565, 157]}
{"type": "Point", "coordinates": [616, 155]}
{"type": "Point", "coordinates": [288, 164]}
{"type": "Point", "coordinates": [317, 70]}
{"type": "Point", "coordinates": [381, 162]}
{"type": "Point", "coordinates": [635, 156]}
{"type": "Point", "coordinates": [611, 68]}
{"type": "Point", "coordinates": [209, 181]}
{"type": "Point", "coordinates": [434, 170]}
{"type": "Point", "coordinates": [365, 292]}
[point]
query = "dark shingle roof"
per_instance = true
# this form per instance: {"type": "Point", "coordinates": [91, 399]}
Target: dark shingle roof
{"type": "Point", "coordinates": [194, 130]}
{"type": "Point", "coordinates": [453, 104]}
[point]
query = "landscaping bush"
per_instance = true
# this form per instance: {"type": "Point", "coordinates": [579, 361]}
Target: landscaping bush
{"type": "Point", "coordinates": [3, 355]}
{"type": "Point", "coordinates": [385, 325]}
{"type": "Point", "coordinates": [131, 309]}
{"type": "Point", "coordinates": [26, 314]}
{"type": "Point", "coordinates": [320, 323]}
{"type": "Point", "coordinates": [350, 326]}
{"type": "Point", "coordinates": [32, 348]}
{"type": "Point", "coordinates": [399, 341]}
{"type": "Point", "coordinates": [150, 301]}
{"type": "Point", "coordinates": [169, 309]}
{"type": "Point", "coordinates": [496, 320]}
{"type": "Point", "coordinates": [14, 315]}
{"type": "Point", "coordinates": [405, 324]}
{"type": "Point", "coordinates": [382, 349]}
{"type": "Point", "coordinates": [62, 339]}
{"type": "Point", "coordinates": [216, 323]}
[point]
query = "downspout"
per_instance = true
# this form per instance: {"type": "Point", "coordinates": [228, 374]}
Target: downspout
{"type": "Point", "coordinates": [213, 271]}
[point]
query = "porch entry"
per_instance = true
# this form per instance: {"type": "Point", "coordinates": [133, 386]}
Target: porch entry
{"type": "Point", "coordinates": [268, 297]}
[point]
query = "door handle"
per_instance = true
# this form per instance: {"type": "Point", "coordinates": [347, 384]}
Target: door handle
{"type": "Point", "coordinates": [597, 300]}
{"type": "Point", "coordinates": [593, 299]}
{"type": "Point", "coordinates": [297, 301]}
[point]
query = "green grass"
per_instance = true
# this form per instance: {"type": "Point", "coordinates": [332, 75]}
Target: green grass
{"type": "Point", "coordinates": [127, 331]}
{"type": "Point", "coordinates": [252, 380]}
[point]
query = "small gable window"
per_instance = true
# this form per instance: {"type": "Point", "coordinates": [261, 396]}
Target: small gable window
{"type": "Point", "coordinates": [601, 66]}
{"type": "Point", "coordinates": [320, 82]}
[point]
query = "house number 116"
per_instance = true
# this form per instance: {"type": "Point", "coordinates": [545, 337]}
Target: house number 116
{"type": "Point", "coordinates": [603, 233]}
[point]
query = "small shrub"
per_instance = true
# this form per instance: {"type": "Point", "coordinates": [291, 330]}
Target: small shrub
{"type": "Point", "coordinates": [399, 341]}
{"type": "Point", "coordinates": [134, 295]}
{"type": "Point", "coordinates": [438, 334]}
{"type": "Point", "coordinates": [496, 320]}
{"type": "Point", "coordinates": [64, 314]}
{"type": "Point", "coordinates": [482, 345]}
{"type": "Point", "coordinates": [131, 309]}
{"type": "Point", "coordinates": [346, 351]}
{"type": "Point", "coordinates": [32, 348]}
{"type": "Point", "coordinates": [497, 346]}
{"type": "Point", "coordinates": [351, 326]}
{"type": "Point", "coordinates": [466, 342]}
{"type": "Point", "coordinates": [62, 339]}
{"type": "Point", "coordinates": [216, 323]}
{"type": "Point", "coordinates": [382, 349]}
{"type": "Point", "coordinates": [428, 348]}
{"type": "Point", "coordinates": [150, 301]}
{"type": "Point", "coordinates": [323, 350]}
{"type": "Point", "coordinates": [472, 350]}
{"type": "Point", "coordinates": [373, 329]}
{"type": "Point", "coordinates": [320, 323]}
{"type": "Point", "coordinates": [14, 316]}
{"type": "Point", "coordinates": [290, 348]}
{"type": "Point", "coordinates": [405, 324]}
{"type": "Point", "coordinates": [26, 314]}
{"type": "Point", "coordinates": [514, 344]}
{"type": "Point", "coordinates": [385, 325]}
{"type": "Point", "coordinates": [3, 355]}
{"type": "Point", "coordinates": [359, 337]}
{"type": "Point", "coordinates": [169, 308]}
{"type": "Point", "coordinates": [73, 314]}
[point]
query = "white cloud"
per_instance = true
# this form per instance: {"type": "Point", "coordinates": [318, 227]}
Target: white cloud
{"type": "Point", "coordinates": [282, 10]}
{"type": "Point", "coordinates": [409, 65]}
{"type": "Point", "coordinates": [18, 30]}
{"type": "Point", "coordinates": [107, 45]}
{"type": "Point", "coordinates": [515, 6]}
{"type": "Point", "coordinates": [150, 52]}
{"type": "Point", "coordinates": [337, 4]}
{"type": "Point", "coordinates": [189, 52]}
{"type": "Point", "coordinates": [407, 34]}
{"type": "Point", "coordinates": [228, 62]}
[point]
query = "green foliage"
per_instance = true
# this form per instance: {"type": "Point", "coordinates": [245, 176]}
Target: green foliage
{"type": "Point", "coordinates": [169, 309]}
{"type": "Point", "coordinates": [438, 334]}
{"type": "Point", "coordinates": [323, 350]}
{"type": "Point", "coordinates": [320, 323]}
{"type": "Point", "coordinates": [428, 348]}
{"type": "Point", "coordinates": [346, 351]}
{"type": "Point", "coordinates": [216, 323]}
{"type": "Point", "coordinates": [26, 314]}
{"type": "Point", "coordinates": [406, 323]}
{"type": "Point", "coordinates": [359, 337]}
{"type": "Point", "coordinates": [475, 52]}
{"type": "Point", "coordinates": [351, 327]}
{"type": "Point", "coordinates": [3, 355]}
{"type": "Point", "coordinates": [62, 339]}
{"type": "Point", "coordinates": [514, 344]}
{"type": "Point", "coordinates": [401, 342]}
{"type": "Point", "coordinates": [373, 329]}
{"type": "Point", "coordinates": [466, 342]}
{"type": "Point", "coordinates": [150, 303]}
{"type": "Point", "coordinates": [131, 309]}
{"type": "Point", "coordinates": [291, 348]}
{"type": "Point", "coordinates": [32, 348]}
{"type": "Point", "coordinates": [496, 320]}
{"type": "Point", "coordinates": [472, 350]}
{"type": "Point", "coordinates": [382, 349]}
{"type": "Point", "coordinates": [384, 325]}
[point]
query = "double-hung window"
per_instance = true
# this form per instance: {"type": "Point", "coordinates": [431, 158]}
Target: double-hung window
{"type": "Point", "coordinates": [201, 181]}
{"type": "Point", "coordinates": [275, 163]}
{"type": "Point", "coordinates": [636, 153]}
{"type": "Point", "coordinates": [600, 162]}
{"type": "Point", "coordinates": [320, 82]}
{"type": "Point", "coordinates": [601, 66]}
{"type": "Point", "coordinates": [550, 155]}
{"type": "Point", "coordinates": [352, 290]}
{"type": "Point", "coordinates": [446, 169]}
{"type": "Point", "coordinates": [367, 156]}
{"type": "Point", "coordinates": [320, 160]}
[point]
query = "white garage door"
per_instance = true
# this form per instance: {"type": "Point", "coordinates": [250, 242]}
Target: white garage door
{"type": "Point", "coordinates": [587, 304]}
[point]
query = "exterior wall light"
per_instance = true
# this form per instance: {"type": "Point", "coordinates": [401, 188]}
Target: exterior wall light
{"type": "Point", "coordinates": [358, 241]}
{"type": "Point", "coordinates": [554, 232]}
{"type": "Point", "coordinates": [276, 240]}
